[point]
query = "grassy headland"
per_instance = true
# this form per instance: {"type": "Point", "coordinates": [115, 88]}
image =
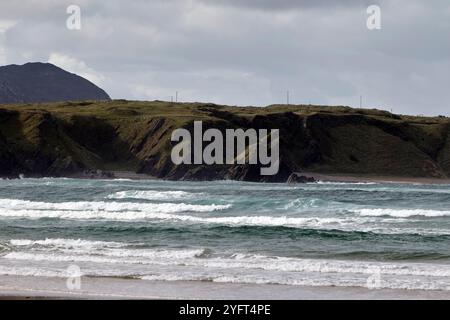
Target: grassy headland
{"type": "Point", "coordinates": [73, 138]}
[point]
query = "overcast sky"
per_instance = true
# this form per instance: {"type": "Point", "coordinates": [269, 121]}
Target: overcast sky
{"type": "Point", "coordinates": [241, 52]}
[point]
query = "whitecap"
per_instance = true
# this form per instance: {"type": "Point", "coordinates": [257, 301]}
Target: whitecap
{"type": "Point", "coordinates": [401, 213]}
{"type": "Point", "coordinates": [154, 195]}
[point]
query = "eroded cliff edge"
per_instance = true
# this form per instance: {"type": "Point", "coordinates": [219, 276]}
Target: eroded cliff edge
{"type": "Point", "coordinates": [69, 139]}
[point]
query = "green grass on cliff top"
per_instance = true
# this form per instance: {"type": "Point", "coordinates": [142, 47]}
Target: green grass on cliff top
{"type": "Point", "coordinates": [117, 109]}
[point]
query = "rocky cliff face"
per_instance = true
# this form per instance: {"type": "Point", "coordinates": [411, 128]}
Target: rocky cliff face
{"type": "Point", "coordinates": [63, 139]}
{"type": "Point", "coordinates": [44, 82]}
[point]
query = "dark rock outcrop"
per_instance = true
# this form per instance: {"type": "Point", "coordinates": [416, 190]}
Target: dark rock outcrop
{"type": "Point", "coordinates": [298, 178]}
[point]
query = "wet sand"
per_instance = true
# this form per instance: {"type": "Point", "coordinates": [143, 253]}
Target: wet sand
{"type": "Point", "coordinates": [29, 287]}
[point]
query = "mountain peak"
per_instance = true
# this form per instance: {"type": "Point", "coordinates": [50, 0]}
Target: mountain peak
{"type": "Point", "coordinates": [35, 82]}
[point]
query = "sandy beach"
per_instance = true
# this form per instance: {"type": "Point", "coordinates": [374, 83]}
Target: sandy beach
{"type": "Point", "coordinates": [28, 287]}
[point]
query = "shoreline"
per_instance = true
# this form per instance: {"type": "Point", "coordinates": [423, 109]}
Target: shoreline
{"type": "Point", "coordinates": [374, 179]}
{"type": "Point", "coordinates": [318, 177]}
{"type": "Point", "coordinates": [31, 287]}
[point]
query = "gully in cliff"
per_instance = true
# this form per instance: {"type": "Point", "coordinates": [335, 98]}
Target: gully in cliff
{"type": "Point", "coordinates": [240, 146]}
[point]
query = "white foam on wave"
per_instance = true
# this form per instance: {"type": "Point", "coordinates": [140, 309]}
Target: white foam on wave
{"type": "Point", "coordinates": [192, 264]}
{"type": "Point", "coordinates": [157, 211]}
{"type": "Point", "coordinates": [98, 209]}
{"type": "Point", "coordinates": [113, 256]}
{"type": "Point", "coordinates": [401, 213]}
{"type": "Point", "coordinates": [365, 221]}
{"type": "Point", "coordinates": [30, 272]}
{"type": "Point", "coordinates": [78, 250]}
{"type": "Point", "coordinates": [195, 257]}
{"type": "Point", "coordinates": [154, 195]}
{"type": "Point", "coordinates": [66, 243]}
{"type": "Point", "coordinates": [107, 248]}
{"type": "Point", "coordinates": [294, 279]}
{"type": "Point", "coordinates": [345, 183]}
{"type": "Point", "coordinates": [310, 203]}
{"type": "Point", "coordinates": [301, 203]}
{"type": "Point", "coordinates": [249, 277]}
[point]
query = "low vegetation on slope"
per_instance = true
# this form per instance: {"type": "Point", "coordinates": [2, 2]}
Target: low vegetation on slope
{"type": "Point", "coordinates": [63, 139]}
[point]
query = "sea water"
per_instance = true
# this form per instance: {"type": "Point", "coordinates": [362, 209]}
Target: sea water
{"type": "Point", "coordinates": [320, 234]}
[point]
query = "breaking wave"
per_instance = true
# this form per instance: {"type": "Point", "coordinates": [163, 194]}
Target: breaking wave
{"type": "Point", "coordinates": [402, 213]}
{"type": "Point", "coordinates": [203, 264]}
{"type": "Point", "coordinates": [155, 195]}
{"type": "Point", "coordinates": [99, 210]}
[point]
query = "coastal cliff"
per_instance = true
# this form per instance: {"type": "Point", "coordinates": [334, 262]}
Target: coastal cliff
{"type": "Point", "coordinates": [103, 137]}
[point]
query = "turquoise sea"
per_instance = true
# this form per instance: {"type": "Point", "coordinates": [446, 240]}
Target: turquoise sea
{"type": "Point", "coordinates": [320, 234]}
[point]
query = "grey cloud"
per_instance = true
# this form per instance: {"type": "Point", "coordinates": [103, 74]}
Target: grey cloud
{"type": "Point", "coordinates": [290, 4]}
{"type": "Point", "coordinates": [247, 53]}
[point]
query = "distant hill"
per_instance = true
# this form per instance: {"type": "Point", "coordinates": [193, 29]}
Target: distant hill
{"type": "Point", "coordinates": [45, 82]}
